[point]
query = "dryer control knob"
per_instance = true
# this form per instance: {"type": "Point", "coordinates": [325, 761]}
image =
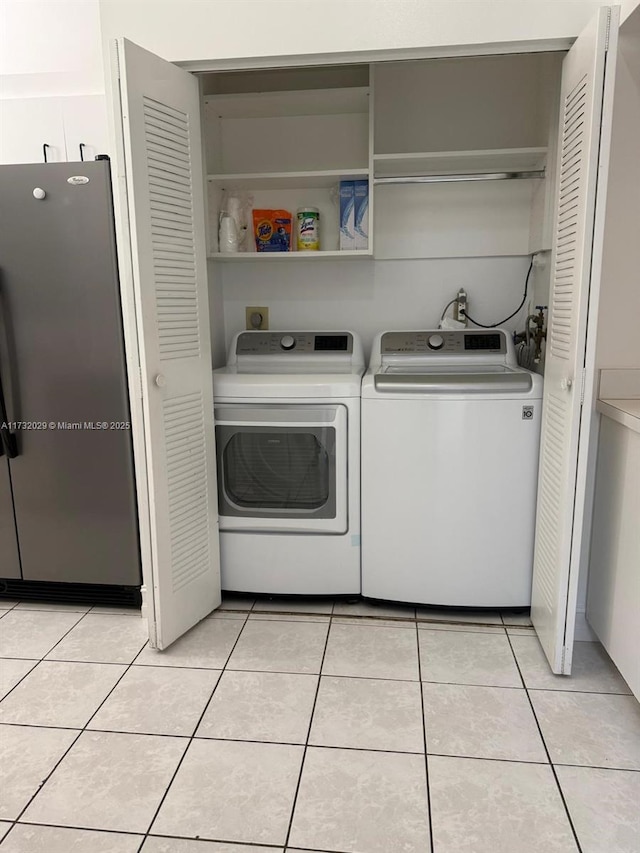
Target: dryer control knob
{"type": "Point", "coordinates": [436, 342]}
{"type": "Point", "coordinates": [287, 342]}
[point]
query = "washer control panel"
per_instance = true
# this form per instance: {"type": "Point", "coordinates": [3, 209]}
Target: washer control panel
{"type": "Point", "coordinates": [274, 343]}
{"type": "Point", "coordinates": [445, 342]}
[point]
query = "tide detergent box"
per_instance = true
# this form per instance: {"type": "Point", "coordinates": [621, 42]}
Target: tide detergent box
{"type": "Point", "coordinates": [347, 236]}
{"type": "Point", "coordinates": [361, 214]}
{"type": "Point", "coordinates": [272, 230]}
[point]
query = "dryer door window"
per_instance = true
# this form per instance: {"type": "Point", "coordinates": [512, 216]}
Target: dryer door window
{"type": "Point", "coordinates": [279, 469]}
{"type": "Point", "coordinates": [282, 467]}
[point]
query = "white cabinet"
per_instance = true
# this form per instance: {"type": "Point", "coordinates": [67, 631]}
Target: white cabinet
{"type": "Point", "coordinates": [27, 124]}
{"type": "Point", "coordinates": [613, 604]}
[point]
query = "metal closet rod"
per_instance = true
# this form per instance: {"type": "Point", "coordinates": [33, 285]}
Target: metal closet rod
{"type": "Point", "coordinates": [447, 179]}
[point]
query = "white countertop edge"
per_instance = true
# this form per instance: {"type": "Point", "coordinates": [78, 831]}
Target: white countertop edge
{"type": "Point", "coordinates": [625, 412]}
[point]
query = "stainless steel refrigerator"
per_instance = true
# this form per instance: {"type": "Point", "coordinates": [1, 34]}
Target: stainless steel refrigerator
{"type": "Point", "coordinates": [67, 490]}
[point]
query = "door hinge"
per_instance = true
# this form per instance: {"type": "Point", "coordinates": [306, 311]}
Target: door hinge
{"type": "Point", "coordinates": [563, 662]}
{"type": "Point", "coordinates": [583, 382]}
{"type": "Point", "coordinates": [115, 54]}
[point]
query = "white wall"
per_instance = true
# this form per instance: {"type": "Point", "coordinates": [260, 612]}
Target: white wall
{"type": "Point", "coordinates": [50, 47]}
{"type": "Point", "coordinates": [183, 30]}
{"type": "Point", "coordinates": [369, 296]}
{"type": "Point", "coordinates": [614, 586]}
{"type": "Point", "coordinates": [618, 339]}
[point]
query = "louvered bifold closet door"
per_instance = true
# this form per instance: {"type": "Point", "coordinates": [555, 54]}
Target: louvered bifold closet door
{"type": "Point", "coordinates": [560, 507]}
{"type": "Point", "coordinates": [165, 197]}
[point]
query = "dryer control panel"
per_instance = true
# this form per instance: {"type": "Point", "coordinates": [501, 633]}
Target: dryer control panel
{"type": "Point", "coordinates": [281, 343]}
{"type": "Point", "coordinates": [444, 342]}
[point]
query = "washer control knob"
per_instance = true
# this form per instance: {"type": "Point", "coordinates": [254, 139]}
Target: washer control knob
{"type": "Point", "coordinates": [287, 342]}
{"type": "Point", "coordinates": [436, 342]}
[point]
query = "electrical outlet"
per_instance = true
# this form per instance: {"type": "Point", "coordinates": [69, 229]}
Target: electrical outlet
{"type": "Point", "coordinates": [256, 317]}
{"type": "Point", "coordinates": [460, 306]}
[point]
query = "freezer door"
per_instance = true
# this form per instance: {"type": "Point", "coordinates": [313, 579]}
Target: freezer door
{"type": "Point", "coordinates": [9, 559]}
{"type": "Point", "coordinates": [65, 381]}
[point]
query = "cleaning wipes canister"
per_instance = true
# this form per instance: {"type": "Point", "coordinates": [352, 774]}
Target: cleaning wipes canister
{"type": "Point", "coordinates": [308, 229]}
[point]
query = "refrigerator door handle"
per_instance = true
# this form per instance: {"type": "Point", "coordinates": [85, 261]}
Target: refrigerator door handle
{"type": "Point", "coordinates": [8, 439]}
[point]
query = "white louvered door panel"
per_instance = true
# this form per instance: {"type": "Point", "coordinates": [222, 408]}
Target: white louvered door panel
{"type": "Point", "coordinates": [582, 160]}
{"type": "Point", "coordinates": [164, 188]}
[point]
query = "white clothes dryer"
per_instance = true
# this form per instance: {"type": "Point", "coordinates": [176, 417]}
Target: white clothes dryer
{"type": "Point", "coordinates": [450, 440]}
{"type": "Point", "coordinates": [287, 421]}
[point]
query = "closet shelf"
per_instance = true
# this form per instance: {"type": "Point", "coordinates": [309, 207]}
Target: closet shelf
{"type": "Point", "coordinates": [287, 180]}
{"type": "Point", "coordinates": [299, 102]}
{"type": "Point", "coordinates": [459, 162]}
{"type": "Point", "coordinates": [272, 257]}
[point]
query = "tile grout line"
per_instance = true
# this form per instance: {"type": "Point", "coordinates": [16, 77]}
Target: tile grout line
{"type": "Point", "coordinates": [245, 618]}
{"type": "Point", "coordinates": [421, 620]}
{"type": "Point", "coordinates": [70, 728]}
{"type": "Point", "coordinates": [73, 828]}
{"type": "Point", "coordinates": [424, 737]}
{"type": "Point", "coordinates": [80, 731]}
{"type": "Point", "coordinates": [107, 731]}
{"type": "Point", "coordinates": [276, 848]}
{"type": "Point", "coordinates": [371, 619]}
{"type": "Point", "coordinates": [38, 661]}
{"type": "Point", "coordinates": [306, 743]}
{"type": "Point", "coordinates": [192, 736]}
{"type": "Point", "coordinates": [320, 745]}
{"type": "Point", "coordinates": [35, 664]}
{"type": "Point", "coordinates": [127, 833]}
{"type": "Point", "coordinates": [546, 749]}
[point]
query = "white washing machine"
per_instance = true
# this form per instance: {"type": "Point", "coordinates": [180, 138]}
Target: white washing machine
{"type": "Point", "coordinates": [450, 439]}
{"type": "Point", "coordinates": [287, 421]}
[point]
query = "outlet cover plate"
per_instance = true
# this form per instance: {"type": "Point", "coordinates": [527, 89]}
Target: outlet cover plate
{"type": "Point", "coordinates": [257, 309]}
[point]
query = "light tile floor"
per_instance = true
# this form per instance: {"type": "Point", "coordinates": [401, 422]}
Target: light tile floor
{"type": "Point", "coordinates": [292, 726]}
